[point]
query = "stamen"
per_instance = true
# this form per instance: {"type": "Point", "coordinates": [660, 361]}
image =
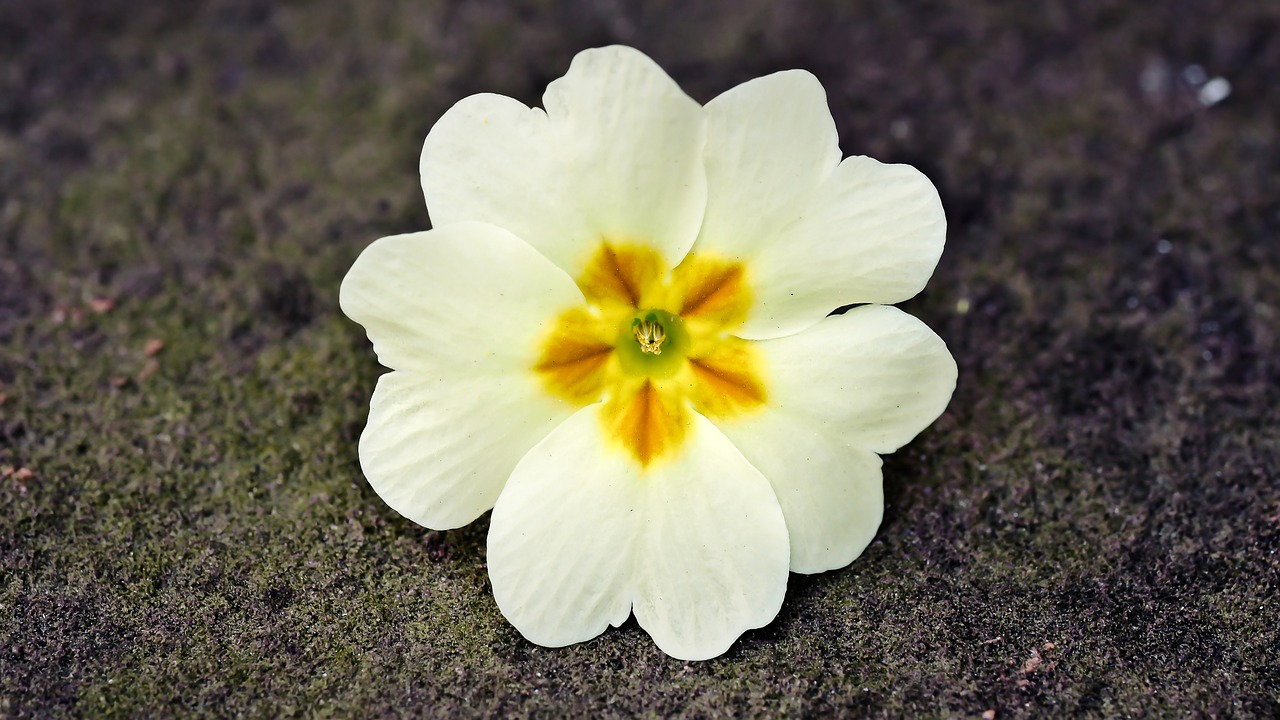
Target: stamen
{"type": "Point", "coordinates": [649, 333]}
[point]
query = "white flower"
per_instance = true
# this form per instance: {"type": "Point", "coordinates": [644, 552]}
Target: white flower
{"type": "Point", "coordinates": [617, 338]}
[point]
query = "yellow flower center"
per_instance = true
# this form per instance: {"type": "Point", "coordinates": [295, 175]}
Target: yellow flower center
{"type": "Point", "coordinates": [654, 346]}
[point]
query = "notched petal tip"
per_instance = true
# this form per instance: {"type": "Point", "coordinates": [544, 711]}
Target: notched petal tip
{"type": "Point", "coordinates": [873, 234]}
{"type": "Point", "coordinates": [571, 553]}
{"type": "Point", "coordinates": [561, 179]}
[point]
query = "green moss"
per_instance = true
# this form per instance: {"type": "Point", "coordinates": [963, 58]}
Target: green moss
{"type": "Point", "coordinates": [1090, 529]}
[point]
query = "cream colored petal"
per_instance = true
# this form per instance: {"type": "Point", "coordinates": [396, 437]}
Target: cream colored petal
{"type": "Point", "coordinates": [713, 560]}
{"type": "Point", "coordinates": [851, 386]}
{"type": "Point", "coordinates": [439, 449]}
{"type": "Point", "coordinates": [562, 537]}
{"type": "Point", "coordinates": [471, 298]}
{"type": "Point", "coordinates": [814, 233]}
{"type": "Point", "coordinates": [873, 234]}
{"type": "Point", "coordinates": [830, 491]}
{"type": "Point", "coordinates": [771, 143]}
{"type": "Point", "coordinates": [874, 375]}
{"type": "Point", "coordinates": [457, 312]}
{"type": "Point", "coordinates": [615, 156]}
{"type": "Point", "coordinates": [581, 533]}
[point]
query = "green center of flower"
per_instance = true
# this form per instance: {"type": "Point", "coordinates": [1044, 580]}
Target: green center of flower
{"type": "Point", "coordinates": [652, 343]}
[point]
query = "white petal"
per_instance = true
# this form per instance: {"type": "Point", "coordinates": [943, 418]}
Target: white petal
{"type": "Point", "coordinates": [616, 156]}
{"type": "Point", "coordinates": [457, 312]}
{"type": "Point", "coordinates": [714, 557]}
{"type": "Point", "coordinates": [439, 449]}
{"type": "Point", "coordinates": [853, 385]}
{"type": "Point", "coordinates": [581, 532]}
{"type": "Point", "coordinates": [874, 375]}
{"type": "Point", "coordinates": [562, 535]}
{"type": "Point", "coordinates": [830, 492]}
{"type": "Point", "coordinates": [873, 234]}
{"type": "Point", "coordinates": [814, 232]}
{"type": "Point", "coordinates": [771, 143]}
{"type": "Point", "coordinates": [469, 297]}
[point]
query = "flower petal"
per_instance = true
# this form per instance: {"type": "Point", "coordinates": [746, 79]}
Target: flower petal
{"type": "Point", "coordinates": [873, 234]}
{"type": "Point", "coordinates": [815, 233]}
{"type": "Point", "coordinates": [458, 313]}
{"type": "Point", "coordinates": [470, 296]}
{"type": "Point", "coordinates": [830, 492]}
{"type": "Point", "coordinates": [562, 535]}
{"type": "Point", "coordinates": [771, 143]}
{"type": "Point", "coordinates": [582, 532]}
{"type": "Point", "coordinates": [855, 384]}
{"type": "Point", "coordinates": [713, 559]}
{"type": "Point", "coordinates": [434, 449]}
{"type": "Point", "coordinates": [874, 374]}
{"type": "Point", "coordinates": [615, 157]}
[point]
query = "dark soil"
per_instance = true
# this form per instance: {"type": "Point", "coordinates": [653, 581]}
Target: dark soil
{"type": "Point", "coordinates": [1091, 529]}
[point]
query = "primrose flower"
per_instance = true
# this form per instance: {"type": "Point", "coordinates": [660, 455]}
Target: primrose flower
{"type": "Point", "coordinates": [617, 337]}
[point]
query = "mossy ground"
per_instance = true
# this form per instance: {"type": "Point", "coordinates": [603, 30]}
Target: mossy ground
{"type": "Point", "coordinates": [1091, 528]}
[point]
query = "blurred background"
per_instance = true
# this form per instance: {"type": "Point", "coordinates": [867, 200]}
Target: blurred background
{"type": "Point", "coordinates": [1091, 528]}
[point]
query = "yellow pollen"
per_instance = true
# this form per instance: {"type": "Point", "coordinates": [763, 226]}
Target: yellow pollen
{"type": "Point", "coordinates": [649, 334]}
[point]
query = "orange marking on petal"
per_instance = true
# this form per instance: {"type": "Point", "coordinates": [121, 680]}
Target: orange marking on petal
{"type": "Point", "coordinates": [620, 274]}
{"type": "Point", "coordinates": [594, 352]}
{"type": "Point", "coordinates": [712, 289]}
{"type": "Point", "coordinates": [727, 381]}
{"type": "Point", "coordinates": [646, 422]}
{"type": "Point", "coordinates": [574, 359]}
